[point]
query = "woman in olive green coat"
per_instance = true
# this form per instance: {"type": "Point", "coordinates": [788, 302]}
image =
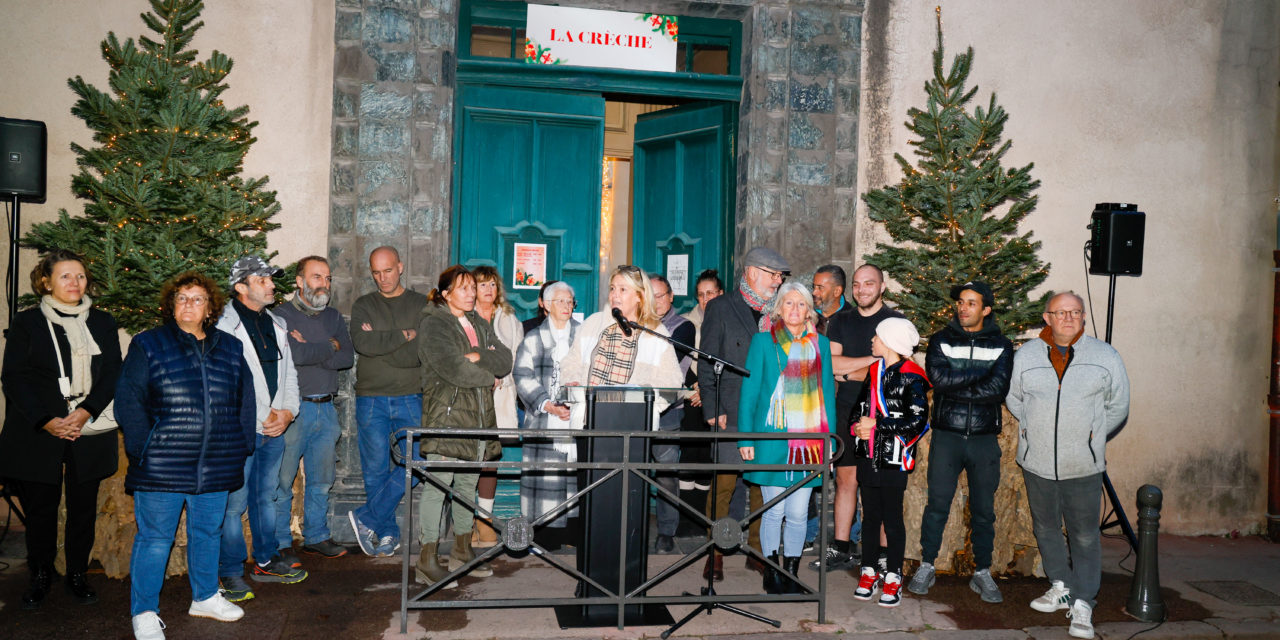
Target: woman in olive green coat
{"type": "Point", "coordinates": [461, 360]}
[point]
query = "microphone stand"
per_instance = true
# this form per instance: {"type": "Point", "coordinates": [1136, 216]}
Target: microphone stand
{"type": "Point", "coordinates": [718, 365]}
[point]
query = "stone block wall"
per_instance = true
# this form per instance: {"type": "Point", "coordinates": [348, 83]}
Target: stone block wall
{"type": "Point", "coordinates": [393, 135]}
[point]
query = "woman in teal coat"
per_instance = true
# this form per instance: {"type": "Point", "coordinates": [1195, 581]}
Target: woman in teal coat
{"type": "Point", "coordinates": [791, 389]}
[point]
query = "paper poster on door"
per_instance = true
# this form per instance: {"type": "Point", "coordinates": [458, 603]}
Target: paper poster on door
{"type": "Point", "coordinates": [530, 262]}
{"type": "Point", "coordinates": [678, 273]}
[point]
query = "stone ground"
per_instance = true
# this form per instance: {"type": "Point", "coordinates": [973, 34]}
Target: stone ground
{"type": "Point", "coordinates": [359, 597]}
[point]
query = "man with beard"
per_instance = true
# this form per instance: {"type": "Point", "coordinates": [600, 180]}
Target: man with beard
{"type": "Point", "coordinates": [852, 330]}
{"type": "Point", "coordinates": [265, 339]}
{"type": "Point", "coordinates": [321, 347]}
{"type": "Point", "coordinates": [969, 362]}
{"type": "Point", "coordinates": [727, 328]}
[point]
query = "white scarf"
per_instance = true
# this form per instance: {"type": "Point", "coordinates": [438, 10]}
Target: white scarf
{"type": "Point", "coordinates": [83, 347]}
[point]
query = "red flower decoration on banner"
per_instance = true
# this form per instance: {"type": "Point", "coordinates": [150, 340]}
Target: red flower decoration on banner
{"type": "Point", "coordinates": [546, 58]}
{"type": "Point", "coordinates": [655, 21]}
{"type": "Point", "coordinates": [530, 51]}
{"type": "Point", "coordinates": [671, 28]}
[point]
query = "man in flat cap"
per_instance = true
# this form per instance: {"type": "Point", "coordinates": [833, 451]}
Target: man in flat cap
{"type": "Point", "coordinates": [730, 322]}
{"type": "Point", "coordinates": [265, 337]}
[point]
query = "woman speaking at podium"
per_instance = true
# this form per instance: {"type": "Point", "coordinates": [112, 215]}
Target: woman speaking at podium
{"type": "Point", "coordinates": [606, 353]}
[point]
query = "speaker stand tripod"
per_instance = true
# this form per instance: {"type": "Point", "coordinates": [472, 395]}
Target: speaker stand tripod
{"type": "Point", "coordinates": [1117, 516]}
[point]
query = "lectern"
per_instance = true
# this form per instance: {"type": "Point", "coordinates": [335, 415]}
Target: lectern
{"type": "Point", "coordinates": [600, 556]}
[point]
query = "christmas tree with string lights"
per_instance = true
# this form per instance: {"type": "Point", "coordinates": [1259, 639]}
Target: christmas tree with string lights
{"type": "Point", "coordinates": [954, 216]}
{"type": "Point", "coordinates": [163, 188]}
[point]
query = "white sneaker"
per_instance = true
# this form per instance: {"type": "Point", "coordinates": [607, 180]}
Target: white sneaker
{"type": "Point", "coordinates": [1081, 615]}
{"type": "Point", "coordinates": [216, 607]}
{"type": "Point", "coordinates": [148, 626]}
{"type": "Point", "coordinates": [1055, 599]}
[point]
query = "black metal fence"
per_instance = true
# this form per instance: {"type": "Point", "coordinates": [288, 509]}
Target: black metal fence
{"type": "Point", "coordinates": [516, 534]}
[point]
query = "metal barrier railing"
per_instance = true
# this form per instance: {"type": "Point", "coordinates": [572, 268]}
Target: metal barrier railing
{"type": "Point", "coordinates": [516, 534]}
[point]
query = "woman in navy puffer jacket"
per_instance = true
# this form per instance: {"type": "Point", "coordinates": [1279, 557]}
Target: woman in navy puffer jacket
{"type": "Point", "coordinates": [185, 404]}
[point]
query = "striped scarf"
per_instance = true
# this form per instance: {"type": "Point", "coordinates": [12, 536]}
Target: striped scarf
{"type": "Point", "coordinates": [757, 302]}
{"type": "Point", "coordinates": [797, 405]}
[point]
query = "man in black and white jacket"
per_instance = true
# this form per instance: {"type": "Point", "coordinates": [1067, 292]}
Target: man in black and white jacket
{"type": "Point", "coordinates": [969, 363]}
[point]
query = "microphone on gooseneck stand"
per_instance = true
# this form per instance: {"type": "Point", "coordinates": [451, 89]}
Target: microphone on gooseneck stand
{"type": "Point", "coordinates": [623, 323]}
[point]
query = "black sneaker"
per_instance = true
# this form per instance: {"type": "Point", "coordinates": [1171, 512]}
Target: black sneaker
{"type": "Point", "coordinates": [286, 556]}
{"type": "Point", "coordinates": [277, 571]}
{"type": "Point", "coordinates": [836, 560]}
{"type": "Point", "coordinates": [327, 548]}
{"type": "Point", "coordinates": [664, 545]}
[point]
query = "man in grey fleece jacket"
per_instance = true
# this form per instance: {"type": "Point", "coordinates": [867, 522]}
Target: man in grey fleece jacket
{"type": "Point", "coordinates": [1070, 394]}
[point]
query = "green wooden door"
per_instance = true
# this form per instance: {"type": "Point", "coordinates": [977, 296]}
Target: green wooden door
{"type": "Point", "coordinates": [684, 159]}
{"type": "Point", "coordinates": [528, 173]}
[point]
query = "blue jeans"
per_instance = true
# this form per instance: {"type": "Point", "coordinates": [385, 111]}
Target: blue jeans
{"type": "Point", "coordinates": [156, 514]}
{"type": "Point", "coordinates": [313, 437]}
{"type": "Point", "coordinates": [377, 420]}
{"type": "Point", "coordinates": [258, 497]}
{"type": "Point", "coordinates": [796, 509]}
{"type": "Point", "coordinates": [668, 514]}
{"type": "Point", "coordinates": [1076, 503]}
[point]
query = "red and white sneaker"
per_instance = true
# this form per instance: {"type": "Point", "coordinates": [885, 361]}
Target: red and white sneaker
{"type": "Point", "coordinates": [867, 584]}
{"type": "Point", "coordinates": [889, 596]}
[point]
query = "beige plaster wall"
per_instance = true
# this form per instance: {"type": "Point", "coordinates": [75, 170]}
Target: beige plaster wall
{"type": "Point", "coordinates": [1172, 105]}
{"type": "Point", "coordinates": [283, 54]}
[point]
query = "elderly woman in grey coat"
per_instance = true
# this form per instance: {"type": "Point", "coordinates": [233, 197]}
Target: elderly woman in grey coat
{"type": "Point", "coordinates": [537, 375]}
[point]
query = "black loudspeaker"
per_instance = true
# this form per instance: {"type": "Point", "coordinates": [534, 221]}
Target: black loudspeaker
{"type": "Point", "coordinates": [22, 158]}
{"type": "Point", "coordinates": [1115, 245]}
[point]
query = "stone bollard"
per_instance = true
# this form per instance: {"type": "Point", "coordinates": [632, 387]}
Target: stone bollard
{"type": "Point", "coordinates": [1145, 602]}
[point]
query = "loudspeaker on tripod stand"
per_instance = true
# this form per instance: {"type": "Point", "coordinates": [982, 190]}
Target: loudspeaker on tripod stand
{"type": "Point", "coordinates": [22, 159]}
{"type": "Point", "coordinates": [1115, 239]}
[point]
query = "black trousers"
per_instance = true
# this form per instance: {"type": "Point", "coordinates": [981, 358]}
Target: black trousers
{"type": "Point", "coordinates": [882, 493]}
{"type": "Point", "coordinates": [40, 504]}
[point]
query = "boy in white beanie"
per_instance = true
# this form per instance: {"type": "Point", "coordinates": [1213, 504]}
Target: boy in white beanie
{"type": "Point", "coordinates": [894, 414]}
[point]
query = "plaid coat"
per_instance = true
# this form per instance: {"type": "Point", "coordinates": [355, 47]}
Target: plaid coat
{"type": "Point", "coordinates": [534, 373]}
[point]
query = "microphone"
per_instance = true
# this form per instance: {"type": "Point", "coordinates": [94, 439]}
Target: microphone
{"type": "Point", "coordinates": [623, 323]}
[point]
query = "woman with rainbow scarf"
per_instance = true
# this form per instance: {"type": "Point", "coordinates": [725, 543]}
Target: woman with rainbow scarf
{"type": "Point", "coordinates": [791, 389]}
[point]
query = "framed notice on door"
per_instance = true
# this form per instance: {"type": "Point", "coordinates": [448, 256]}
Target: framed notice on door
{"type": "Point", "coordinates": [530, 266]}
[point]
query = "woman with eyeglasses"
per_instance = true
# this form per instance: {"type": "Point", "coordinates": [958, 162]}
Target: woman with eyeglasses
{"type": "Point", "coordinates": [188, 412]}
{"type": "Point", "coordinates": [604, 354]}
{"type": "Point", "coordinates": [461, 356]}
{"type": "Point", "coordinates": [538, 380]}
{"type": "Point", "coordinates": [61, 361]}
{"type": "Point", "coordinates": [491, 304]}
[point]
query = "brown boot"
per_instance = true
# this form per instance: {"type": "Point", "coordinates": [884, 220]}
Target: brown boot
{"type": "Point", "coordinates": [429, 569]}
{"type": "Point", "coordinates": [463, 554]}
{"type": "Point", "coordinates": [484, 536]}
{"type": "Point", "coordinates": [714, 569]}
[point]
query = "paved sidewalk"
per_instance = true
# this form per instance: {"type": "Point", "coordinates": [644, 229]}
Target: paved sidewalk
{"type": "Point", "coordinates": [358, 597]}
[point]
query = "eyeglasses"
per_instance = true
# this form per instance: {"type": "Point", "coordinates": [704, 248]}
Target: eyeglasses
{"type": "Point", "coordinates": [776, 274]}
{"type": "Point", "coordinates": [1067, 313]}
{"type": "Point", "coordinates": [195, 301]}
{"type": "Point", "coordinates": [572, 304]}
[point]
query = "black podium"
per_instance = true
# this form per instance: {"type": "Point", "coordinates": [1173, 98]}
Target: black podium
{"type": "Point", "coordinates": [600, 555]}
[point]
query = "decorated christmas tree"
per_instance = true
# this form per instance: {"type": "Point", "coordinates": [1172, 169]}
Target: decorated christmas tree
{"type": "Point", "coordinates": [954, 216]}
{"type": "Point", "coordinates": [163, 188]}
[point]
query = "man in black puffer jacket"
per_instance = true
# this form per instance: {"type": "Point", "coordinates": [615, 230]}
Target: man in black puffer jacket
{"type": "Point", "coordinates": [969, 363]}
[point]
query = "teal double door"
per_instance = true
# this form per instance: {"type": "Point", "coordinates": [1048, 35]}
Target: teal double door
{"type": "Point", "coordinates": [528, 182]}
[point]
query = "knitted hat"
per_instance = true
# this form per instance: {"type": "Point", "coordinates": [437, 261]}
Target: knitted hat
{"type": "Point", "coordinates": [898, 334]}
